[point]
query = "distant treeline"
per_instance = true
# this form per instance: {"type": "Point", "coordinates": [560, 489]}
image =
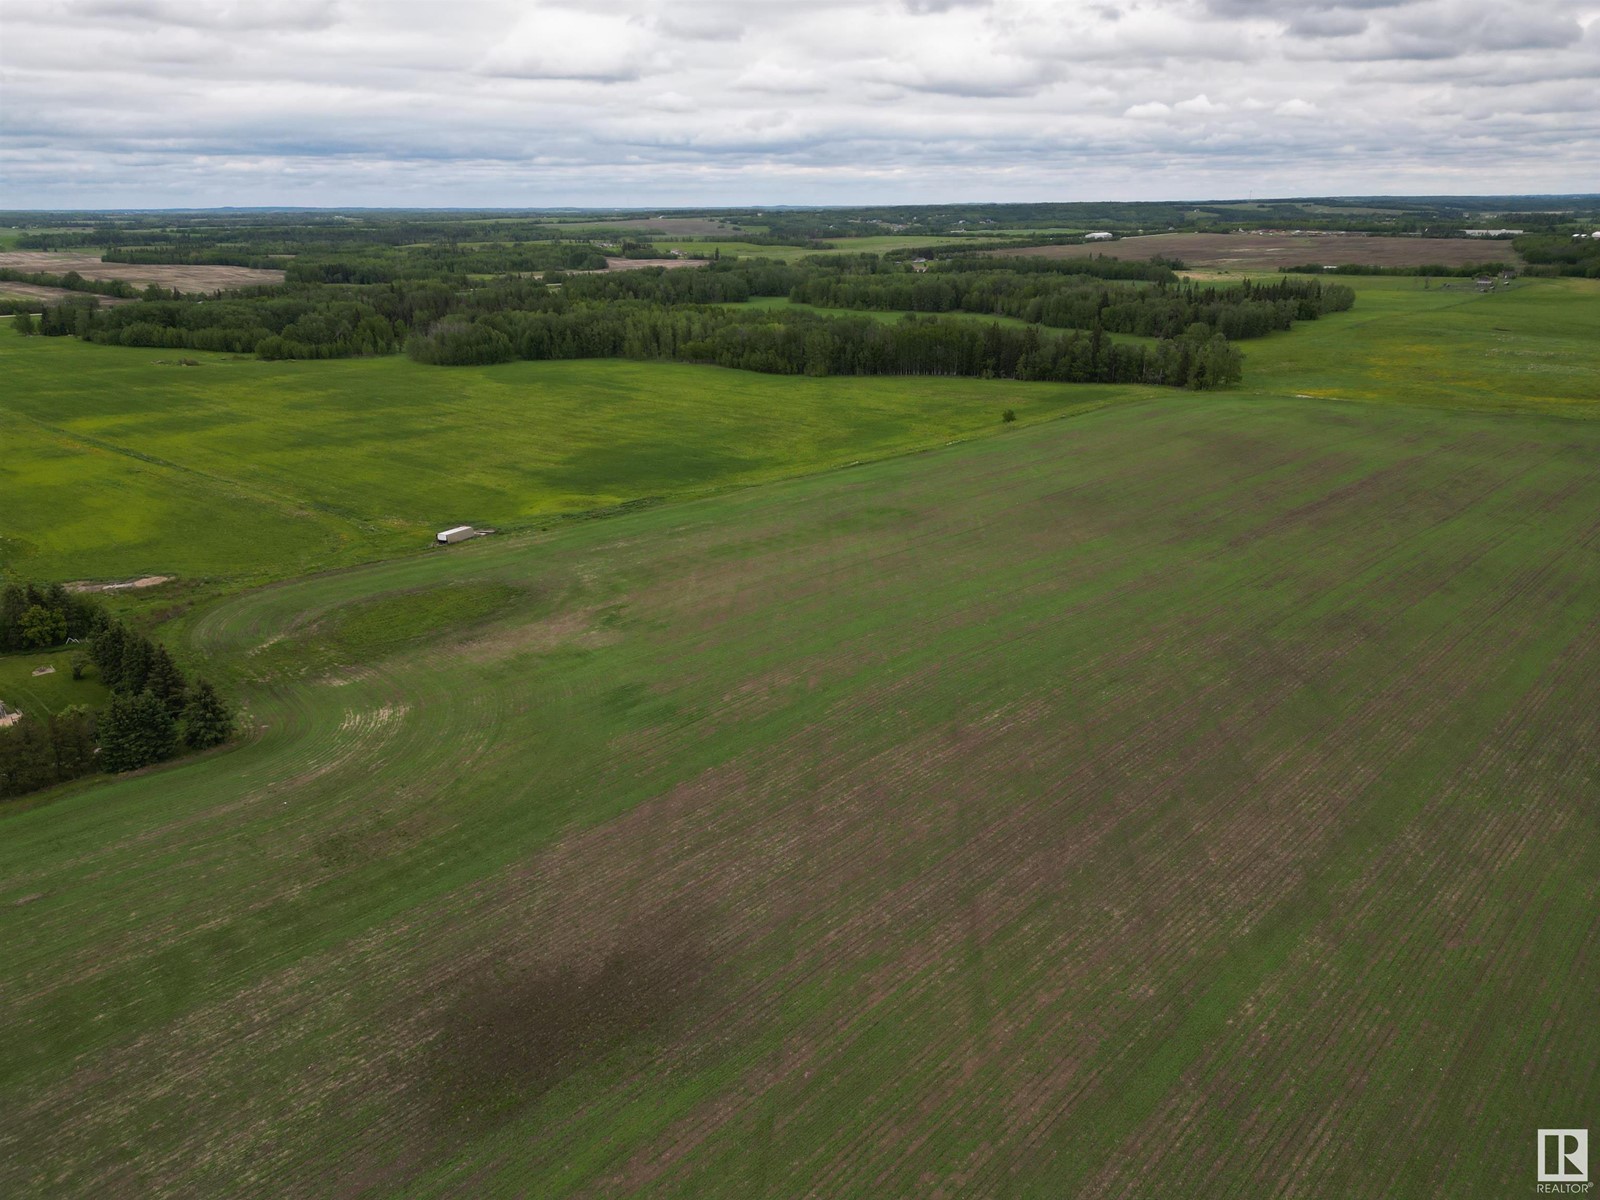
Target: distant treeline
{"type": "Point", "coordinates": [1243, 310]}
{"type": "Point", "coordinates": [453, 263]}
{"type": "Point", "coordinates": [1097, 266]}
{"type": "Point", "coordinates": [671, 314]}
{"type": "Point", "coordinates": [71, 281]}
{"type": "Point", "coordinates": [801, 343]}
{"type": "Point", "coordinates": [308, 325]}
{"type": "Point", "coordinates": [1561, 255]}
{"type": "Point", "coordinates": [154, 708]}
{"type": "Point", "coordinates": [1434, 269]}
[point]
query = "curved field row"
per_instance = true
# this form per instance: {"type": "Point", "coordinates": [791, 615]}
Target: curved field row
{"type": "Point", "coordinates": [1192, 794]}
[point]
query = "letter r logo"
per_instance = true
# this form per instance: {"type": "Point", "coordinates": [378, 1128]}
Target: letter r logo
{"type": "Point", "coordinates": [1563, 1156]}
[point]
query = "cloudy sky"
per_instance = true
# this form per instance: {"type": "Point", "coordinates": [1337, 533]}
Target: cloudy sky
{"type": "Point", "coordinates": [161, 103]}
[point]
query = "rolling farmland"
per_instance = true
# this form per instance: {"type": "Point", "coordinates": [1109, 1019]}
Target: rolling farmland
{"type": "Point", "coordinates": [1189, 792]}
{"type": "Point", "coordinates": [1165, 792]}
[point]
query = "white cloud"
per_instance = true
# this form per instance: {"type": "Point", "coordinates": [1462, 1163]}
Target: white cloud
{"type": "Point", "coordinates": [176, 102]}
{"type": "Point", "coordinates": [556, 43]}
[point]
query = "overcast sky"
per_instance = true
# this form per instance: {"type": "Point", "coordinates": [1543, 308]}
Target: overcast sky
{"type": "Point", "coordinates": [164, 103]}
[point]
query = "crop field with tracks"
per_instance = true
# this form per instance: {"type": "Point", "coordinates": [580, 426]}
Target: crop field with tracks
{"type": "Point", "coordinates": [1191, 795]}
{"type": "Point", "coordinates": [184, 277]}
{"type": "Point", "coordinates": [1269, 251]}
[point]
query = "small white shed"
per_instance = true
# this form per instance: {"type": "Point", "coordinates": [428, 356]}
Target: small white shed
{"type": "Point", "coordinates": [459, 533]}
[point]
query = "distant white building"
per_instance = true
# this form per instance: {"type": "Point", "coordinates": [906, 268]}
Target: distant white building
{"type": "Point", "coordinates": [458, 533]}
{"type": "Point", "coordinates": [1099, 235]}
{"type": "Point", "coordinates": [1492, 232]}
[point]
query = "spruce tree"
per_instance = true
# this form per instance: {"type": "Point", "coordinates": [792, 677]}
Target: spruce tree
{"type": "Point", "coordinates": [165, 681]}
{"type": "Point", "coordinates": [135, 731]}
{"type": "Point", "coordinates": [207, 720]}
{"type": "Point", "coordinates": [106, 649]}
{"type": "Point", "coordinates": [136, 654]}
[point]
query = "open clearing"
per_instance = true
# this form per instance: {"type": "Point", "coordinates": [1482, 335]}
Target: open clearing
{"type": "Point", "coordinates": [50, 295]}
{"type": "Point", "coordinates": [184, 278]}
{"type": "Point", "coordinates": [634, 264]}
{"type": "Point", "coordinates": [125, 464]}
{"type": "Point", "coordinates": [1199, 791]}
{"type": "Point", "coordinates": [1259, 251]}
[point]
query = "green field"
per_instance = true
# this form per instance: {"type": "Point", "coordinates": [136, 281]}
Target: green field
{"type": "Point", "coordinates": [1188, 760]}
{"type": "Point", "coordinates": [46, 695]}
{"type": "Point", "coordinates": [120, 465]}
{"type": "Point", "coordinates": [1193, 796]}
{"type": "Point", "coordinates": [783, 303]}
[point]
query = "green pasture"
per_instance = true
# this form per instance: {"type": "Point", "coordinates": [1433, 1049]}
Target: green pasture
{"type": "Point", "coordinates": [120, 462]}
{"type": "Point", "coordinates": [1532, 347]}
{"type": "Point", "coordinates": [784, 303]}
{"type": "Point", "coordinates": [46, 695]}
{"type": "Point", "coordinates": [1196, 790]}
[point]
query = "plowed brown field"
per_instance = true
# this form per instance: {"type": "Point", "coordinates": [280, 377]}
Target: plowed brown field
{"type": "Point", "coordinates": [184, 278]}
{"type": "Point", "coordinates": [1268, 252]}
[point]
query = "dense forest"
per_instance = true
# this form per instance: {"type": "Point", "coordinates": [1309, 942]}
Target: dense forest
{"type": "Point", "coordinates": [1164, 310]}
{"type": "Point", "coordinates": [1560, 254]}
{"type": "Point", "coordinates": [800, 343]}
{"type": "Point", "coordinates": [692, 316]}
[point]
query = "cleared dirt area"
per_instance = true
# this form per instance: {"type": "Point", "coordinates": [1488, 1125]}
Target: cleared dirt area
{"type": "Point", "coordinates": [634, 264]}
{"type": "Point", "coordinates": [184, 278]}
{"type": "Point", "coordinates": [50, 295]}
{"type": "Point", "coordinates": [1257, 251]}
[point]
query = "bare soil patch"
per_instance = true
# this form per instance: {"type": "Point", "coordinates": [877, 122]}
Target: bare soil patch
{"type": "Point", "coordinates": [633, 264]}
{"type": "Point", "coordinates": [184, 278]}
{"type": "Point", "coordinates": [50, 295]}
{"type": "Point", "coordinates": [126, 584]}
{"type": "Point", "coordinates": [515, 1030]}
{"type": "Point", "coordinates": [1268, 251]}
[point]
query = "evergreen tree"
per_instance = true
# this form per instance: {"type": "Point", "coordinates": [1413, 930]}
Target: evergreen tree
{"type": "Point", "coordinates": [72, 740]}
{"type": "Point", "coordinates": [135, 731]}
{"type": "Point", "coordinates": [165, 681]}
{"type": "Point", "coordinates": [23, 323]}
{"type": "Point", "coordinates": [26, 761]}
{"type": "Point", "coordinates": [207, 720]}
{"type": "Point", "coordinates": [136, 655]}
{"type": "Point", "coordinates": [106, 649]}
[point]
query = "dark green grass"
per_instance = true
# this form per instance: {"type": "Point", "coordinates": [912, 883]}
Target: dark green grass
{"type": "Point", "coordinates": [1193, 796]}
